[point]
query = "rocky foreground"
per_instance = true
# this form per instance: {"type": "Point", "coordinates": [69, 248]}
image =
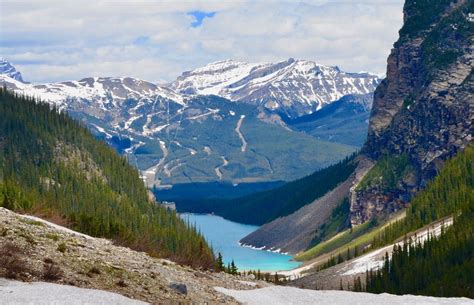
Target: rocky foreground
{"type": "Point", "coordinates": [52, 264]}
{"type": "Point", "coordinates": [33, 250]}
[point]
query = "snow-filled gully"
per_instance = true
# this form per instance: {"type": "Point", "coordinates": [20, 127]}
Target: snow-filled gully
{"type": "Point", "coordinates": [243, 148]}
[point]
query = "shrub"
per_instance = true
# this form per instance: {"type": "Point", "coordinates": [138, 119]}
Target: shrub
{"type": "Point", "coordinates": [62, 247]}
{"type": "Point", "coordinates": [11, 261]}
{"type": "Point", "coordinates": [51, 272]}
{"type": "Point", "coordinates": [93, 271]}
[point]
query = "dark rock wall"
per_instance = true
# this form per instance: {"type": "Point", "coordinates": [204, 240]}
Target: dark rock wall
{"type": "Point", "coordinates": [424, 107]}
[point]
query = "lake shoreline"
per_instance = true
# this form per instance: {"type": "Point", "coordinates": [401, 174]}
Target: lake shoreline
{"type": "Point", "coordinates": [226, 240]}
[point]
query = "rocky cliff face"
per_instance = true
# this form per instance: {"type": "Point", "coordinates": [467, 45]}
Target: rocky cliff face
{"type": "Point", "coordinates": [423, 110]}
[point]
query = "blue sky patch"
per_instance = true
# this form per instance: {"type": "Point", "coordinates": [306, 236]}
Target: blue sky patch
{"type": "Point", "coordinates": [141, 40]}
{"type": "Point", "coordinates": [199, 17]}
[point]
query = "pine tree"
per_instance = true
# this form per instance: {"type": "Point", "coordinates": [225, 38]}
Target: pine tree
{"type": "Point", "coordinates": [233, 268]}
{"type": "Point", "coordinates": [220, 262]}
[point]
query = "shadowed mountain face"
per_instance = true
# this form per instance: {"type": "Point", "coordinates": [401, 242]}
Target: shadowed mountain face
{"type": "Point", "coordinates": [423, 110]}
{"type": "Point", "coordinates": [9, 70]}
{"type": "Point", "coordinates": [343, 121]}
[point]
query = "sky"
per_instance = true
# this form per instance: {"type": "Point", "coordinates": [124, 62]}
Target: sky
{"type": "Point", "coordinates": [57, 40]}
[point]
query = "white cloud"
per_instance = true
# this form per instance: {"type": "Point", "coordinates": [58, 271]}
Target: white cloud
{"type": "Point", "coordinates": [57, 40]}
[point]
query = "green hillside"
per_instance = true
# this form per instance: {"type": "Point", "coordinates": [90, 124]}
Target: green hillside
{"type": "Point", "coordinates": [442, 266]}
{"type": "Point", "coordinates": [52, 166]}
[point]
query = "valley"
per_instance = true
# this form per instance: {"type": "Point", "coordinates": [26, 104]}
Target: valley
{"type": "Point", "coordinates": [260, 179]}
{"type": "Point", "coordinates": [176, 136]}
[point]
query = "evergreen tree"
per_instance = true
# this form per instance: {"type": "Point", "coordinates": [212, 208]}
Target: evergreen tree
{"type": "Point", "coordinates": [220, 263]}
{"type": "Point", "coordinates": [233, 268]}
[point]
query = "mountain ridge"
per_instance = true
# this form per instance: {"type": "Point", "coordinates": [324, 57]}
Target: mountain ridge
{"type": "Point", "coordinates": [174, 138]}
{"type": "Point", "coordinates": [293, 87]}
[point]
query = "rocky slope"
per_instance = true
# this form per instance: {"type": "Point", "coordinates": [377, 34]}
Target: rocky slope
{"type": "Point", "coordinates": [294, 233]}
{"type": "Point", "coordinates": [297, 232]}
{"type": "Point", "coordinates": [35, 250]}
{"type": "Point", "coordinates": [291, 88]}
{"type": "Point", "coordinates": [424, 109]}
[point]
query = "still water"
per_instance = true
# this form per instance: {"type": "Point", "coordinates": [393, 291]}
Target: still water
{"type": "Point", "coordinates": [224, 236]}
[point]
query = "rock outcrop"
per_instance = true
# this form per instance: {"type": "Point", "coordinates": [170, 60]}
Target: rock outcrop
{"type": "Point", "coordinates": [424, 108]}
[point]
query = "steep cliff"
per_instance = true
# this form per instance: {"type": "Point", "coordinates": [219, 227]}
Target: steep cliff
{"type": "Point", "coordinates": [423, 111]}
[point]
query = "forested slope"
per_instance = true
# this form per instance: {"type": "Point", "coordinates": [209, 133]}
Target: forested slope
{"type": "Point", "coordinates": [52, 166]}
{"type": "Point", "coordinates": [268, 205]}
{"type": "Point", "coordinates": [441, 266]}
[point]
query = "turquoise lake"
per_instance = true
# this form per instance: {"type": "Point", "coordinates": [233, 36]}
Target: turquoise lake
{"type": "Point", "coordinates": [224, 236]}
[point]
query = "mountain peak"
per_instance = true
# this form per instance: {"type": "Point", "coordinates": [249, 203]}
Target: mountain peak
{"type": "Point", "coordinates": [292, 86]}
{"type": "Point", "coordinates": [6, 68]}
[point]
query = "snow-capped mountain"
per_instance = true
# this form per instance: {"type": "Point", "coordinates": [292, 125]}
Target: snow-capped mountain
{"type": "Point", "coordinates": [8, 69]}
{"type": "Point", "coordinates": [102, 92]}
{"type": "Point", "coordinates": [291, 87]}
{"type": "Point", "coordinates": [175, 136]}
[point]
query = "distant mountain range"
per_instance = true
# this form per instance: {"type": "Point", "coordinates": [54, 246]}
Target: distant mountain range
{"type": "Point", "coordinates": [228, 121]}
{"type": "Point", "coordinates": [291, 87]}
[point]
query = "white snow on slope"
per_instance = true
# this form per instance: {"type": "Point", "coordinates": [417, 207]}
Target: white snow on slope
{"type": "Point", "coordinates": [281, 295]}
{"type": "Point", "coordinates": [374, 260]}
{"type": "Point", "coordinates": [213, 78]}
{"type": "Point", "coordinates": [239, 133]}
{"type": "Point", "coordinates": [53, 225]}
{"type": "Point", "coordinates": [103, 91]}
{"type": "Point", "coordinates": [303, 85]}
{"type": "Point", "coordinates": [16, 293]}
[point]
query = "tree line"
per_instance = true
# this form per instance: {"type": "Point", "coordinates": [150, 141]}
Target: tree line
{"type": "Point", "coordinates": [263, 207]}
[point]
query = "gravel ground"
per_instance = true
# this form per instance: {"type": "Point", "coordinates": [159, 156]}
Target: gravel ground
{"type": "Point", "coordinates": [97, 263]}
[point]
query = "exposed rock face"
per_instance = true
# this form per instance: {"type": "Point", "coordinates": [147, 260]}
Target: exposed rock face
{"type": "Point", "coordinates": [8, 69]}
{"type": "Point", "coordinates": [294, 233]}
{"type": "Point", "coordinates": [424, 108]}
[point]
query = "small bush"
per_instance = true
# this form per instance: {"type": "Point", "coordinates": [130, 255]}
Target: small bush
{"type": "Point", "coordinates": [51, 272]}
{"type": "Point", "coordinates": [62, 247]}
{"type": "Point", "coordinates": [93, 271]}
{"type": "Point", "coordinates": [11, 261]}
{"type": "Point", "coordinates": [122, 283]}
{"type": "Point", "coordinates": [29, 238]}
{"type": "Point", "coordinates": [54, 237]}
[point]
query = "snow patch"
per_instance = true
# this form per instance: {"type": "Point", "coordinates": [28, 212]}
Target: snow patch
{"type": "Point", "coordinates": [55, 226]}
{"type": "Point", "coordinates": [375, 259]}
{"type": "Point", "coordinates": [14, 292]}
{"type": "Point", "coordinates": [282, 295]}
